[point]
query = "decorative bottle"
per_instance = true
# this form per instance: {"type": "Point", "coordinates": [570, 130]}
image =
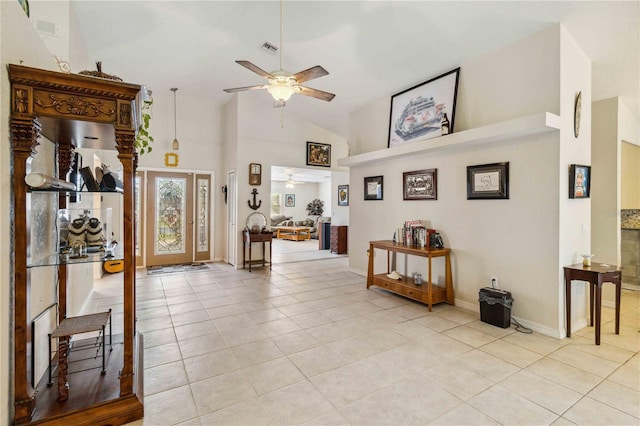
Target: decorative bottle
{"type": "Point", "coordinates": [444, 124]}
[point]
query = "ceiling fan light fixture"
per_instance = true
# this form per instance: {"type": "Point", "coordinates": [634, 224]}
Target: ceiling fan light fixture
{"type": "Point", "coordinates": [281, 92]}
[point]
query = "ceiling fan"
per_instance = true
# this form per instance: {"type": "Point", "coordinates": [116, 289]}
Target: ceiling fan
{"type": "Point", "coordinates": [291, 183]}
{"type": "Point", "coordinates": [282, 84]}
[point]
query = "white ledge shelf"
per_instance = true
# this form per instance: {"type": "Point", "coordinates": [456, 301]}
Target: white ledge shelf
{"type": "Point", "coordinates": [524, 126]}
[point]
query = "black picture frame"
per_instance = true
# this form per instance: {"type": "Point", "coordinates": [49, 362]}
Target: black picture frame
{"type": "Point", "coordinates": [318, 154]}
{"type": "Point", "coordinates": [488, 181]}
{"type": "Point", "coordinates": [290, 200]}
{"type": "Point", "coordinates": [420, 185]}
{"type": "Point", "coordinates": [419, 111]}
{"type": "Point", "coordinates": [579, 181]}
{"type": "Point", "coordinates": [373, 187]}
{"type": "Point", "coordinates": [88, 179]}
{"type": "Point", "coordinates": [343, 195]}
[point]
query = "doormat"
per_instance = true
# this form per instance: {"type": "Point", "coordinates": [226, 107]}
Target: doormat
{"type": "Point", "coordinates": [153, 270]}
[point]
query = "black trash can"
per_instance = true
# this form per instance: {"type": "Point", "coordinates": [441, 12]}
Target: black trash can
{"type": "Point", "coordinates": [495, 307]}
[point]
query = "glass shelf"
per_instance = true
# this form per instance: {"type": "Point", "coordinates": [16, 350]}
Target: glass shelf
{"type": "Point", "coordinates": [66, 259]}
{"type": "Point", "coordinates": [68, 191]}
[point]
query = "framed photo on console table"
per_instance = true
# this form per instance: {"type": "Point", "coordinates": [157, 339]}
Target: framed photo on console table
{"type": "Point", "coordinates": [420, 185]}
{"type": "Point", "coordinates": [488, 181]}
{"type": "Point", "coordinates": [373, 188]}
{"type": "Point", "coordinates": [424, 111]}
{"type": "Point", "coordinates": [579, 181]}
{"type": "Point", "coordinates": [318, 154]}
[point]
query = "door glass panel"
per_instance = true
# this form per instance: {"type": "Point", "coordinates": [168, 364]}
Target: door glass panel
{"type": "Point", "coordinates": [170, 211]}
{"type": "Point", "coordinates": [203, 215]}
{"type": "Point", "coordinates": [138, 183]}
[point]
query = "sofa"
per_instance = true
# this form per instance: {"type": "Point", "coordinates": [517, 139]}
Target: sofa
{"type": "Point", "coordinates": [311, 222]}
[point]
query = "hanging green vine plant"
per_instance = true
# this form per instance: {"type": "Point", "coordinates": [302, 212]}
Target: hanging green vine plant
{"type": "Point", "coordinates": [143, 138]}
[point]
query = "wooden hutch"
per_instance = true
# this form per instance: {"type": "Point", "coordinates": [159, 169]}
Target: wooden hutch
{"type": "Point", "coordinates": [72, 111]}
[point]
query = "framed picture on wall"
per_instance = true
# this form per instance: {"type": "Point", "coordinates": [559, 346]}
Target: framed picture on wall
{"type": "Point", "coordinates": [373, 188]}
{"type": "Point", "coordinates": [343, 195]}
{"type": "Point", "coordinates": [579, 181]}
{"type": "Point", "coordinates": [424, 111]}
{"type": "Point", "coordinates": [488, 181]}
{"type": "Point", "coordinates": [290, 200]}
{"type": "Point", "coordinates": [318, 154]}
{"type": "Point", "coordinates": [420, 185]}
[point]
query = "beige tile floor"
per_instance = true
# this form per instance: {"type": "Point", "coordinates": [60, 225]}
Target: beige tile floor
{"type": "Point", "coordinates": [308, 344]}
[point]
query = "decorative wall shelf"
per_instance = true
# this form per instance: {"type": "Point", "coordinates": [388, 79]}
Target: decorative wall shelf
{"type": "Point", "coordinates": [524, 126]}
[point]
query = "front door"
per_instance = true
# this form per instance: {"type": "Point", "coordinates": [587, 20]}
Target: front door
{"type": "Point", "coordinates": [169, 219]}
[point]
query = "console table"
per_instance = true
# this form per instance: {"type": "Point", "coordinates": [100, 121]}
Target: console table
{"type": "Point", "coordinates": [595, 275]}
{"type": "Point", "coordinates": [248, 238]}
{"type": "Point", "coordinates": [428, 292]}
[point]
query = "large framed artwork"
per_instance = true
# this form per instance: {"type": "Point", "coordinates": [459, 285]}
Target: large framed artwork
{"type": "Point", "coordinates": [373, 188]}
{"type": "Point", "coordinates": [318, 154]}
{"type": "Point", "coordinates": [424, 111]}
{"type": "Point", "coordinates": [579, 181]}
{"type": "Point", "coordinates": [488, 181]}
{"type": "Point", "coordinates": [420, 185]}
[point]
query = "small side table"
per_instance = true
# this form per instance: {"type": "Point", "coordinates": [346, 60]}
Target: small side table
{"type": "Point", "coordinates": [595, 275]}
{"type": "Point", "coordinates": [248, 238]}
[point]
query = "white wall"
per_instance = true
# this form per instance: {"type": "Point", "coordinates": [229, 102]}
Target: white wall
{"type": "Point", "coordinates": [574, 232]}
{"type": "Point", "coordinates": [518, 240]}
{"type": "Point", "coordinates": [304, 194]}
{"type": "Point", "coordinates": [199, 131]}
{"type": "Point", "coordinates": [339, 214]}
{"type": "Point", "coordinates": [18, 42]}
{"type": "Point", "coordinates": [612, 124]}
{"type": "Point", "coordinates": [272, 137]}
{"type": "Point", "coordinates": [605, 186]}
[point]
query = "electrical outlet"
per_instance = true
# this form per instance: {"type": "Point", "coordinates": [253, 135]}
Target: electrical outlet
{"type": "Point", "coordinates": [494, 282]}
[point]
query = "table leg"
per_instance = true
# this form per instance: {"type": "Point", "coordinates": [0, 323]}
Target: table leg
{"type": "Point", "coordinates": [270, 254]}
{"type": "Point", "coordinates": [250, 259]}
{"type": "Point", "coordinates": [429, 289]}
{"type": "Point", "coordinates": [370, 268]}
{"type": "Point", "coordinates": [244, 249]}
{"type": "Point", "coordinates": [598, 308]}
{"type": "Point", "coordinates": [591, 303]}
{"type": "Point", "coordinates": [618, 283]}
{"type": "Point", "coordinates": [63, 367]}
{"type": "Point", "coordinates": [567, 292]}
{"type": "Point", "coordinates": [449, 280]}
{"type": "Point", "coordinates": [264, 254]}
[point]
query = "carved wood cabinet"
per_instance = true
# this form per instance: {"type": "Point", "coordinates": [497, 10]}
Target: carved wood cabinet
{"type": "Point", "coordinates": [72, 111]}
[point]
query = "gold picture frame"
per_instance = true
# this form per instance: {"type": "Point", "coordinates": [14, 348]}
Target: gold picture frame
{"type": "Point", "coordinates": [171, 159]}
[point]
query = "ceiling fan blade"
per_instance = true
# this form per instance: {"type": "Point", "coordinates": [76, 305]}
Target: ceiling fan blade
{"type": "Point", "coordinates": [315, 93]}
{"type": "Point", "coordinates": [240, 89]}
{"type": "Point", "coordinates": [310, 74]}
{"type": "Point", "coordinates": [248, 65]}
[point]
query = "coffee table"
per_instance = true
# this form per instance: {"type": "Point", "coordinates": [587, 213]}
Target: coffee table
{"type": "Point", "coordinates": [294, 233]}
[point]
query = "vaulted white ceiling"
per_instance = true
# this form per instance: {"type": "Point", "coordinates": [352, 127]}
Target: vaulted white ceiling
{"type": "Point", "coordinates": [372, 49]}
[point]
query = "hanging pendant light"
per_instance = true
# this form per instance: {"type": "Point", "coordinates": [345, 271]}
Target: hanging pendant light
{"type": "Point", "coordinates": [175, 145]}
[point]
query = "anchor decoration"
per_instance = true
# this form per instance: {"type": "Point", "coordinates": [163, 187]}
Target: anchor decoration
{"type": "Point", "coordinates": [254, 206]}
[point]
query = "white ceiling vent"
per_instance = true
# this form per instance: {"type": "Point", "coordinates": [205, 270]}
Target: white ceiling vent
{"type": "Point", "coordinates": [46, 27]}
{"type": "Point", "coordinates": [271, 48]}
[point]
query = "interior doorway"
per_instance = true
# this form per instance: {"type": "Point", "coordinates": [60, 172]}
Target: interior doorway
{"type": "Point", "coordinates": [293, 189]}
